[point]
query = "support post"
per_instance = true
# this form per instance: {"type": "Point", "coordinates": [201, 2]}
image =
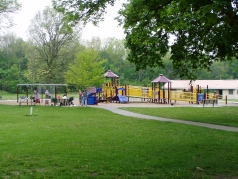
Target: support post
{"type": "Point", "coordinates": [27, 94]}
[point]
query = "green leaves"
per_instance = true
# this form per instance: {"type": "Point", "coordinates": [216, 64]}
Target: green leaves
{"type": "Point", "coordinates": [203, 31]}
{"type": "Point", "coordinates": [82, 11]}
{"type": "Point", "coordinates": [86, 70]}
{"type": "Point", "coordinates": [53, 41]}
{"type": "Point", "coordinates": [199, 28]}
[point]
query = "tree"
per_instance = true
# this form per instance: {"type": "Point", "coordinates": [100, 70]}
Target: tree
{"type": "Point", "coordinates": [86, 10]}
{"type": "Point", "coordinates": [7, 8]}
{"type": "Point", "coordinates": [86, 70]}
{"type": "Point", "coordinates": [116, 52]}
{"type": "Point", "coordinates": [203, 31]}
{"type": "Point", "coordinates": [8, 45]}
{"type": "Point", "coordinates": [95, 43]}
{"type": "Point", "coordinates": [53, 42]}
{"type": "Point", "coordinates": [13, 62]}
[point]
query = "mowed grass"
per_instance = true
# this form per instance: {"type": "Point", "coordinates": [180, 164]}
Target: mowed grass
{"type": "Point", "coordinates": [9, 96]}
{"type": "Point", "coordinates": [85, 142]}
{"type": "Point", "coordinates": [227, 116]}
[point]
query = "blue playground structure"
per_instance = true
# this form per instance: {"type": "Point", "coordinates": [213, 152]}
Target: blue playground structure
{"type": "Point", "coordinates": [122, 98]}
{"type": "Point", "coordinates": [92, 98]}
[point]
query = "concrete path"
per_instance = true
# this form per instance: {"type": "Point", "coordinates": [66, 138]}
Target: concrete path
{"type": "Point", "coordinates": [116, 110]}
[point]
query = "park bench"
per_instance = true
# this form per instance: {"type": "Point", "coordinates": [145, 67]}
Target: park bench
{"type": "Point", "coordinates": [209, 101]}
{"type": "Point", "coordinates": [25, 99]}
{"type": "Point", "coordinates": [22, 99]}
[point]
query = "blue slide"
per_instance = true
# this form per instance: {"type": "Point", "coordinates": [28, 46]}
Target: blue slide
{"type": "Point", "coordinates": [122, 99]}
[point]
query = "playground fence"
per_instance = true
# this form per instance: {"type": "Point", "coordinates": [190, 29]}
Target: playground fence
{"type": "Point", "coordinates": [139, 92]}
{"type": "Point", "coordinates": [183, 96]}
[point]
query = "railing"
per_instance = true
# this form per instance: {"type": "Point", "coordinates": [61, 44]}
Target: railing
{"type": "Point", "coordinates": [139, 92]}
{"type": "Point", "coordinates": [183, 96]}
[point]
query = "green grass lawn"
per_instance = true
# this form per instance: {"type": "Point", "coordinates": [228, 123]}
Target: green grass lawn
{"type": "Point", "coordinates": [7, 96]}
{"type": "Point", "coordinates": [227, 116]}
{"type": "Point", "coordinates": [85, 142]}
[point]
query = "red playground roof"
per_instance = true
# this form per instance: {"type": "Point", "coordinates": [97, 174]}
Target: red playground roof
{"type": "Point", "coordinates": [110, 74]}
{"type": "Point", "coordinates": [161, 78]}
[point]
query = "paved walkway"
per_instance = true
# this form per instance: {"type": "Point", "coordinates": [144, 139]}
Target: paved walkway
{"type": "Point", "coordinates": [115, 109]}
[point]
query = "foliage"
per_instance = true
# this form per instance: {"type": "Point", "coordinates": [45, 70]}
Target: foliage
{"type": "Point", "coordinates": [9, 79]}
{"type": "Point", "coordinates": [15, 52]}
{"type": "Point", "coordinates": [116, 54]}
{"type": "Point", "coordinates": [12, 51]}
{"type": "Point", "coordinates": [95, 143]}
{"type": "Point", "coordinates": [53, 43]}
{"type": "Point", "coordinates": [76, 11]}
{"type": "Point", "coordinates": [95, 43]}
{"type": "Point", "coordinates": [86, 70]}
{"type": "Point", "coordinates": [7, 8]}
{"type": "Point", "coordinates": [12, 62]}
{"type": "Point", "coordinates": [203, 31]}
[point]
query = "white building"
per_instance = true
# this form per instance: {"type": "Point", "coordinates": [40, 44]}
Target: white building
{"type": "Point", "coordinates": [224, 88]}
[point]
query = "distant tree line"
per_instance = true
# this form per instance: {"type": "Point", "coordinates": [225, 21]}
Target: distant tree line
{"type": "Point", "coordinates": [19, 64]}
{"type": "Point", "coordinates": [55, 53]}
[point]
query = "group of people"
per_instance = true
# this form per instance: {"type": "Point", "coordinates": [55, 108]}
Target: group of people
{"type": "Point", "coordinates": [82, 97]}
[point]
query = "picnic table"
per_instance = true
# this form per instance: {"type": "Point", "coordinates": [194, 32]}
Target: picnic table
{"type": "Point", "coordinates": [209, 101]}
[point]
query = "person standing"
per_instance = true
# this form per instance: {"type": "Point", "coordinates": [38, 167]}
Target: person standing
{"type": "Point", "coordinates": [47, 94]}
{"type": "Point", "coordinates": [37, 97]}
{"type": "Point", "coordinates": [80, 97]}
{"type": "Point", "coordinates": [84, 98]}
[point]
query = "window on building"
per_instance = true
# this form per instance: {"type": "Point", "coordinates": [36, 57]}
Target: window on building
{"type": "Point", "coordinates": [237, 91]}
{"type": "Point", "coordinates": [230, 91]}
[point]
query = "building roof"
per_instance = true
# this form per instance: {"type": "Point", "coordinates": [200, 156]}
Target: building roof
{"type": "Point", "coordinates": [110, 74]}
{"type": "Point", "coordinates": [161, 78]}
{"type": "Point", "coordinates": [210, 84]}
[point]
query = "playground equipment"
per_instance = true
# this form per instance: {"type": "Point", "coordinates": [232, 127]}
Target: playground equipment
{"type": "Point", "coordinates": [162, 96]}
{"type": "Point", "coordinates": [158, 93]}
{"type": "Point", "coordinates": [50, 91]}
{"type": "Point", "coordinates": [109, 91]}
{"type": "Point", "coordinates": [192, 95]}
{"type": "Point", "coordinates": [92, 95]}
{"type": "Point", "coordinates": [114, 78]}
{"type": "Point", "coordinates": [112, 91]}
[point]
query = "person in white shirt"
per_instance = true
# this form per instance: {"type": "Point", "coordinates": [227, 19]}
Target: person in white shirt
{"type": "Point", "coordinates": [37, 97]}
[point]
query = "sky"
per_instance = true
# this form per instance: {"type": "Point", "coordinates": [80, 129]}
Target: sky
{"type": "Point", "coordinates": [108, 28]}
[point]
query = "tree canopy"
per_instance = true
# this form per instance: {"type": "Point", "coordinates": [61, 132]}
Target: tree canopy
{"type": "Point", "coordinates": [196, 32]}
{"type": "Point", "coordinates": [86, 70]}
{"type": "Point", "coordinates": [7, 8]}
{"type": "Point", "coordinates": [83, 10]}
{"type": "Point", "coordinates": [53, 41]}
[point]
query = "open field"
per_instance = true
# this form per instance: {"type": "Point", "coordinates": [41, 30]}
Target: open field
{"type": "Point", "coordinates": [79, 142]}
